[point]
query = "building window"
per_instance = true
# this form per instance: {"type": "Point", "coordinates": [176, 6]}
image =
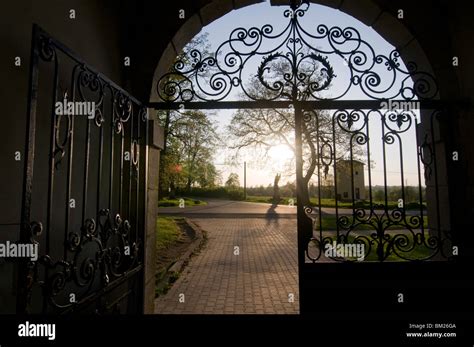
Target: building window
{"type": "Point", "coordinates": [357, 172]}
{"type": "Point", "coordinates": [346, 194]}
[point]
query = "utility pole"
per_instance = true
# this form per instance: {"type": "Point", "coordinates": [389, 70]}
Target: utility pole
{"type": "Point", "coordinates": [245, 180]}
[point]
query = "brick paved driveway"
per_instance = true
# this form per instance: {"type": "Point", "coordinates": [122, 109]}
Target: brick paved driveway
{"type": "Point", "coordinates": [262, 278]}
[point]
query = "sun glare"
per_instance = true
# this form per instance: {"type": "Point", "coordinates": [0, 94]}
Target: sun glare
{"type": "Point", "coordinates": [280, 154]}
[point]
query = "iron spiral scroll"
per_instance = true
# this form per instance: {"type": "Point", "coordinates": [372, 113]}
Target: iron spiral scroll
{"type": "Point", "coordinates": [216, 76]}
{"type": "Point", "coordinates": [100, 252]}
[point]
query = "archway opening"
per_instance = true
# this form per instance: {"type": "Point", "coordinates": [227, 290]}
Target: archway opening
{"type": "Point", "coordinates": [319, 101]}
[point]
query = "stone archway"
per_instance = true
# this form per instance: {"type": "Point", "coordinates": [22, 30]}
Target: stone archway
{"type": "Point", "coordinates": [410, 35]}
{"type": "Point", "coordinates": [401, 26]}
{"type": "Point", "coordinates": [382, 21]}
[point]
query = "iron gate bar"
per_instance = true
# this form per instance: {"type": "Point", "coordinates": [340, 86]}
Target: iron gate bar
{"type": "Point", "coordinates": [305, 105]}
{"type": "Point", "coordinates": [304, 224]}
{"type": "Point", "coordinates": [25, 229]}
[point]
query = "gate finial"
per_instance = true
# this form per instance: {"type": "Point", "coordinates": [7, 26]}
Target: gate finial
{"type": "Point", "coordinates": [295, 4]}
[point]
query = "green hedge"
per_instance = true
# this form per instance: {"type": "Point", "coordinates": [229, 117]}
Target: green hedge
{"type": "Point", "coordinates": [175, 202]}
{"type": "Point", "coordinates": [218, 192]}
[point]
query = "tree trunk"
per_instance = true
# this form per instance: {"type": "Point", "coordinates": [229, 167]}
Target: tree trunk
{"type": "Point", "coordinates": [188, 184]}
{"type": "Point", "coordinates": [304, 192]}
{"type": "Point", "coordinates": [161, 172]}
{"type": "Point", "coordinates": [161, 190]}
{"type": "Point", "coordinates": [172, 192]}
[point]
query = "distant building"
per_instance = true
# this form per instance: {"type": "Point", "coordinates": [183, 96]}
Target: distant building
{"type": "Point", "coordinates": [344, 180]}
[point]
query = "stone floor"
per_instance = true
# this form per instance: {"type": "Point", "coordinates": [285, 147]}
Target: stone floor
{"type": "Point", "coordinates": [248, 266]}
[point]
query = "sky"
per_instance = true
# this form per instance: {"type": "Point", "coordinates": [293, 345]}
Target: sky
{"type": "Point", "coordinates": [262, 172]}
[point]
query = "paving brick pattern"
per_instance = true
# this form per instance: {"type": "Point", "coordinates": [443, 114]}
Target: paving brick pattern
{"type": "Point", "coordinates": [257, 281]}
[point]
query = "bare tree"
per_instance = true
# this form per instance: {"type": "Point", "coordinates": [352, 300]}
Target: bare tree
{"type": "Point", "coordinates": [265, 128]}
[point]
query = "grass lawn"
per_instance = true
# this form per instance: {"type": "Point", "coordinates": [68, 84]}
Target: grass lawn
{"type": "Point", "coordinates": [329, 202]}
{"type": "Point", "coordinates": [419, 252]}
{"type": "Point", "coordinates": [329, 222]}
{"type": "Point", "coordinates": [167, 232]}
{"type": "Point", "coordinates": [175, 202]}
{"type": "Point", "coordinates": [167, 235]}
{"type": "Point", "coordinates": [363, 204]}
{"type": "Point", "coordinates": [265, 199]}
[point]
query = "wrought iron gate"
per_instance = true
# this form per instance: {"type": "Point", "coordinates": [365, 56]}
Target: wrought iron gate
{"type": "Point", "coordinates": [84, 188]}
{"type": "Point", "coordinates": [331, 75]}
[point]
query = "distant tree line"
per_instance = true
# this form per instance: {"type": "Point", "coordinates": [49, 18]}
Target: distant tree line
{"type": "Point", "coordinates": [327, 192]}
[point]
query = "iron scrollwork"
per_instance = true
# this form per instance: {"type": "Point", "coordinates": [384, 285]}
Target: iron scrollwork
{"type": "Point", "coordinates": [384, 231]}
{"type": "Point", "coordinates": [308, 60]}
{"type": "Point", "coordinates": [103, 250]}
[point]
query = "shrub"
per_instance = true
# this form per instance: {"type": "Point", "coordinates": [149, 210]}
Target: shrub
{"type": "Point", "coordinates": [236, 194]}
{"type": "Point", "coordinates": [166, 204]}
{"type": "Point", "coordinates": [413, 206]}
{"type": "Point", "coordinates": [218, 192]}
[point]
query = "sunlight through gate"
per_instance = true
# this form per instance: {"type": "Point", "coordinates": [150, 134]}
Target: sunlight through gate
{"type": "Point", "coordinates": [351, 105]}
